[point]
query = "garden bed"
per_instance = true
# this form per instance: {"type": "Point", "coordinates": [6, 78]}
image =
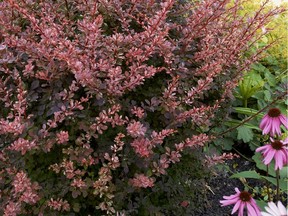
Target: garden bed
{"type": "Point", "coordinates": [221, 184]}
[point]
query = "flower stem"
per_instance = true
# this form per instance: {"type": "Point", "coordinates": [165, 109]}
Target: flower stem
{"type": "Point", "coordinates": [267, 185]}
{"type": "Point", "coordinates": [277, 182]}
{"type": "Point", "coordinates": [245, 102]}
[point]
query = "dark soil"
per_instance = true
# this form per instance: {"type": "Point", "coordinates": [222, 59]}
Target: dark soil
{"type": "Point", "coordinates": [222, 185]}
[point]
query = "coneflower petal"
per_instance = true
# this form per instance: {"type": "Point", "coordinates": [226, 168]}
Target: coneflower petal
{"type": "Point", "coordinates": [275, 127]}
{"type": "Point", "coordinates": [284, 120]}
{"type": "Point", "coordinates": [272, 208]}
{"type": "Point", "coordinates": [236, 206]}
{"type": "Point", "coordinates": [278, 160]}
{"type": "Point", "coordinates": [281, 208]}
{"type": "Point", "coordinates": [251, 210]}
{"type": "Point", "coordinates": [264, 121]}
{"type": "Point", "coordinates": [241, 209]}
{"type": "Point", "coordinates": [267, 128]}
{"type": "Point", "coordinates": [269, 157]}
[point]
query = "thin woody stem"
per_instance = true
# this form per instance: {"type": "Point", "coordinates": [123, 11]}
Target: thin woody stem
{"type": "Point", "coordinates": [67, 9]}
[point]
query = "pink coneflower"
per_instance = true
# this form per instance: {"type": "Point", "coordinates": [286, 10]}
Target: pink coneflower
{"type": "Point", "coordinates": [271, 122]}
{"type": "Point", "coordinates": [277, 149]}
{"type": "Point", "coordinates": [241, 200]}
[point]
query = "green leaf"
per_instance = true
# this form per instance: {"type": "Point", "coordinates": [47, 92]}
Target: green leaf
{"type": "Point", "coordinates": [149, 172]}
{"type": "Point", "coordinates": [284, 172]}
{"type": "Point", "coordinates": [264, 39]}
{"type": "Point", "coordinates": [225, 143]}
{"type": "Point", "coordinates": [244, 133]}
{"type": "Point", "coordinates": [270, 78]}
{"type": "Point", "coordinates": [261, 204]}
{"type": "Point", "coordinates": [271, 60]}
{"type": "Point", "coordinates": [267, 95]}
{"type": "Point", "coordinates": [261, 104]}
{"type": "Point", "coordinates": [259, 95]}
{"type": "Point", "coordinates": [76, 207]}
{"type": "Point", "coordinates": [260, 165]}
{"type": "Point", "coordinates": [247, 174]}
{"type": "Point", "coordinates": [253, 145]}
{"type": "Point", "coordinates": [258, 67]}
{"type": "Point", "coordinates": [254, 175]}
{"type": "Point", "coordinates": [247, 111]}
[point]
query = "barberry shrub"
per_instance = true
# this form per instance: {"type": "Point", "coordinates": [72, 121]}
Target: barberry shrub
{"type": "Point", "coordinates": [100, 98]}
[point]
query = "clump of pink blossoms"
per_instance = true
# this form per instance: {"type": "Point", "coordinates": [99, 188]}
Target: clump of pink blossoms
{"type": "Point", "coordinates": [142, 181]}
{"type": "Point", "coordinates": [22, 145]}
{"type": "Point", "coordinates": [136, 129]}
{"type": "Point", "coordinates": [241, 200]}
{"type": "Point", "coordinates": [12, 209]}
{"type": "Point", "coordinates": [142, 146]}
{"type": "Point", "coordinates": [58, 204]}
{"type": "Point", "coordinates": [62, 137]}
